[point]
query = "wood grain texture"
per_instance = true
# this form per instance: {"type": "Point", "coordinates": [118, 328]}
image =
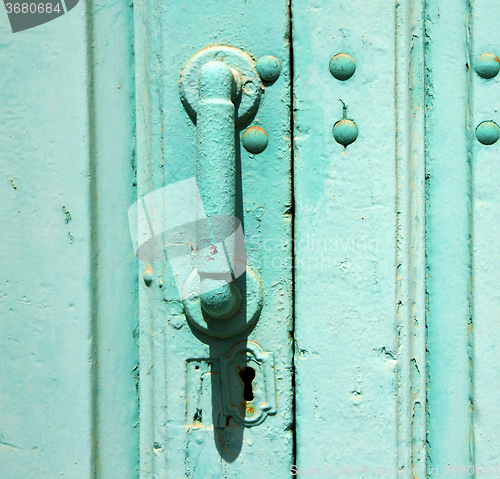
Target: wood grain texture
{"type": "Point", "coordinates": [68, 308]}
{"type": "Point", "coordinates": [46, 341]}
{"type": "Point", "coordinates": [346, 336]}
{"type": "Point", "coordinates": [448, 233]}
{"type": "Point", "coordinates": [111, 97]}
{"type": "Point", "coordinates": [167, 35]}
{"type": "Point", "coordinates": [486, 245]}
{"type": "Point", "coordinates": [392, 243]}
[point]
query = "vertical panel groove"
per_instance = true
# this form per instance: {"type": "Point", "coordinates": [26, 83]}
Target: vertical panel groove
{"type": "Point", "coordinates": [143, 27]}
{"type": "Point", "coordinates": [292, 215]}
{"type": "Point", "coordinates": [470, 139]}
{"type": "Point", "coordinates": [410, 253]}
{"type": "Point", "coordinates": [111, 120]}
{"type": "Point", "coordinates": [94, 248]}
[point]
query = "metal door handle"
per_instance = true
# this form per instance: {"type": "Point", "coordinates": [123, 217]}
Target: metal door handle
{"type": "Point", "coordinates": [220, 89]}
{"type": "Point", "coordinates": [218, 85]}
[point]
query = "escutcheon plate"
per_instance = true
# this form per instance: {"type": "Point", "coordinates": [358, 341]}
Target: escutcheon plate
{"type": "Point", "coordinates": [248, 355]}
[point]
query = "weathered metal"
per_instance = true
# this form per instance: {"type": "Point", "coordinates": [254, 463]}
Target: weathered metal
{"type": "Point", "coordinates": [487, 65]}
{"type": "Point", "coordinates": [375, 286]}
{"type": "Point", "coordinates": [254, 139]}
{"type": "Point", "coordinates": [213, 299]}
{"type": "Point", "coordinates": [487, 132]}
{"type": "Point", "coordinates": [216, 181]}
{"type": "Point", "coordinates": [250, 299]}
{"type": "Point", "coordinates": [248, 384]}
{"type": "Point", "coordinates": [269, 68]}
{"type": "Point", "coordinates": [342, 66]}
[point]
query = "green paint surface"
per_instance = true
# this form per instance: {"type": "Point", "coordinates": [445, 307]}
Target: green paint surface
{"type": "Point", "coordinates": [378, 261]}
{"type": "Point", "coordinates": [68, 283]}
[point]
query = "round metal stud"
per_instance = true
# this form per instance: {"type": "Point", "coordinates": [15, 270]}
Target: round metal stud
{"type": "Point", "coordinates": [342, 66]}
{"type": "Point", "coordinates": [269, 68]}
{"type": "Point", "coordinates": [487, 132]}
{"type": "Point", "coordinates": [148, 277]}
{"type": "Point", "coordinates": [345, 132]}
{"type": "Point", "coordinates": [238, 61]}
{"type": "Point", "coordinates": [254, 139]}
{"type": "Point", "coordinates": [487, 65]}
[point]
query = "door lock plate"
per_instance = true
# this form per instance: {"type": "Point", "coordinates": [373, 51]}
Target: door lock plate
{"type": "Point", "coordinates": [248, 383]}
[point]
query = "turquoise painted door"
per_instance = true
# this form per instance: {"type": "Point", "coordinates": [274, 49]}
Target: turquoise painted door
{"type": "Point", "coordinates": [344, 324]}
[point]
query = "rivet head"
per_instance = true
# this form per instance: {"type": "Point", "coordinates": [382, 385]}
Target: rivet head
{"type": "Point", "coordinates": [487, 132]}
{"type": "Point", "coordinates": [254, 139]}
{"type": "Point", "coordinates": [269, 68]}
{"type": "Point", "coordinates": [345, 132]}
{"type": "Point", "coordinates": [342, 66]}
{"type": "Point", "coordinates": [487, 65]}
{"type": "Point", "coordinates": [148, 277]}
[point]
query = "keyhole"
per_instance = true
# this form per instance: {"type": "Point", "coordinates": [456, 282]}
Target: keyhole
{"type": "Point", "coordinates": [247, 375]}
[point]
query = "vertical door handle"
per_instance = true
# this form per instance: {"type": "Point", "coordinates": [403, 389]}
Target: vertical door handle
{"type": "Point", "coordinates": [220, 90]}
{"type": "Point", "coordinates": [218, 86]}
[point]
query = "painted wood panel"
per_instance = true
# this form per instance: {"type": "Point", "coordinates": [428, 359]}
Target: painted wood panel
{"type": "Point", "coordinates": [449, 139]}
{"type": "Point", "coordinates": [359, 238]}
{"type": "Point", "coordinates": [111, 97]}
{"type": "Point", "coordinates": [182, 432]}
{"type": "Point", "coordinates": [388, 250]}
{"type": "Point", "coordinates": [46, 288]}
{"type": "Point", "coordinates": [486, 247]}
{"type": "Point", "coordinates": [68, 284]}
